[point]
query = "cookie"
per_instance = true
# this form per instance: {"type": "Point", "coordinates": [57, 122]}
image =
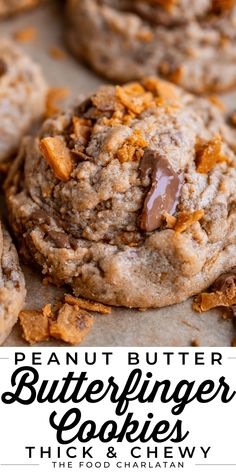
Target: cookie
{"type": "Point", "coordinates": [10, 7]}
{"type": "Point", "coordinates": [12, 285]}
{"type": "Point", "coordinates": [22, 96]}
{"type": "Point", "coordinates": [192, 44]}
{"type": "Point", "coordinates": [167, 12]}
{"type": "Point", "coordinates": [129, 197]}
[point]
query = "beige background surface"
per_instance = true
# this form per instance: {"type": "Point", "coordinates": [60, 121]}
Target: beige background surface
{"type": "Point", "coordinates": [172, 326]}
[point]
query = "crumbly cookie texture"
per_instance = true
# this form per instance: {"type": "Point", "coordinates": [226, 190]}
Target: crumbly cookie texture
{"type": "Point", "coordinates": [22, 96]}
{"type": "Point", "coordinates": [171, 12]}
{"type": "Point", "coordinates": [12, 285]}
{"type": "Point", "coordinates": [129, 197]}
{"type": "Point", "coordinates": [193, 44]}
{"type": "Point", "coordinates": [10, 7]}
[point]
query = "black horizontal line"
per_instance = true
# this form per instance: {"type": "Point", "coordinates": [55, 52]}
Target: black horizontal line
{"type": "Point", "coordinates": [18, 464]}
{"type": "Point", "coordinates": [4, 358]}
{"type": "Point", "coordinates": [231, 357]}
{"type": "Point", "coordinates": [217, 464]}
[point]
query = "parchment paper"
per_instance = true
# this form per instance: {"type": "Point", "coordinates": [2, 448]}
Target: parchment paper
{"type": "Point", "coordinates": [171, 326]}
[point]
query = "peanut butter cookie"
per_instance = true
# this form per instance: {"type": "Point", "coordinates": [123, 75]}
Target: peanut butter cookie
{"type": "Point", "coordinates": [130, 197]}
{"type": "Point", "coordinates": [22, 96]}
{"type": "Point", "coordinates": [12, 285]}
{"type": "Point", "coordinates": [191, 43]}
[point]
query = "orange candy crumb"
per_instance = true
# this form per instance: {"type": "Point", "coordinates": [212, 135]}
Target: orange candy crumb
{"type": "Point", "coordinates": [185, 220]}
{"type": "Point", "coordinates": [58, 156]}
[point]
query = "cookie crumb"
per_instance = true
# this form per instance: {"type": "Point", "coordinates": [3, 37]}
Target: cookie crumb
{"type": "Point", "coordinates": [35, 326]}
{"type": "Point", "coordinates": [26, 35]}
{"type": "Point", "coordinates": [195, 342]}
{"type": "Point", "coordinates": [87, 304]}
{"type": "Point", "coordinates": [57, 53]}
{"type": "Point", "coordinates": [72, 324]}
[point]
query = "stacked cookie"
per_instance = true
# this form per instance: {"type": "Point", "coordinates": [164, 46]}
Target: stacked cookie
{"type": "Point", "coordinates": [191, 43]}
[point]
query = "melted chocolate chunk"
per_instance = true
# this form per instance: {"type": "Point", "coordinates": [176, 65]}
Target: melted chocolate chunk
{"type": "Point", "coordinates": [164, 193]}
{"type": "Point", "coordinates": [225, 281]}
{"type": "Point", "coordinates": [3, 68]}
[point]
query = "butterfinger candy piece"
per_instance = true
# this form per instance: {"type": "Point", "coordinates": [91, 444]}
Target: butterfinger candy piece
{"type": "Point", "coordinates": [72, 324]}
{"type": "Point", "coordinates": [185, 220]}
{"type": "Point", "coordinates": [223, 293]}
{"type": "Point", "coordinates": [35, 326]}
{"type": "Point", "coordinates": [58, 156]}
{"type": "Point", "coordinates": [88, 305]}
{"type": "Point", "coordinates": [47, 311]}
{"type": "Point", "coordinates": [134, 97]}
{"type": "Point", "coordinates": [169, 219]}
{"type": "Point", "coordinates": [209, 155]}
{"type": "Point", "coordinates": [161, 88]}
{"type": "Point", "coordinates": [132, 149]}
{"type": "Point", "coordinates": [207, 301]}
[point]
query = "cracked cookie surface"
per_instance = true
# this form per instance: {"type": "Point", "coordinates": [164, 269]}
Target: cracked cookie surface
{"type": "Point", "coordinates": [129, 197]}
{"type": "Point", "coordinates": [193, 44]}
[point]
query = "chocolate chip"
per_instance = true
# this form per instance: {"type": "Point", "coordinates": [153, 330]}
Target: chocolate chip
{"type": "Point", "coordinates": [164, 193]}
{"type": "Point", "coordinates": [61, 240]}
{"type": "Point", "coordinates": [225, 281]}
{"type": "Point", "coordinates": [40, 216]}
{"type": "Point", "coordinates": [73, 243]}
{"type": "Point", "coordinates": [3, 68]}
{"type": "Point", "coordinates": [84, 107]}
